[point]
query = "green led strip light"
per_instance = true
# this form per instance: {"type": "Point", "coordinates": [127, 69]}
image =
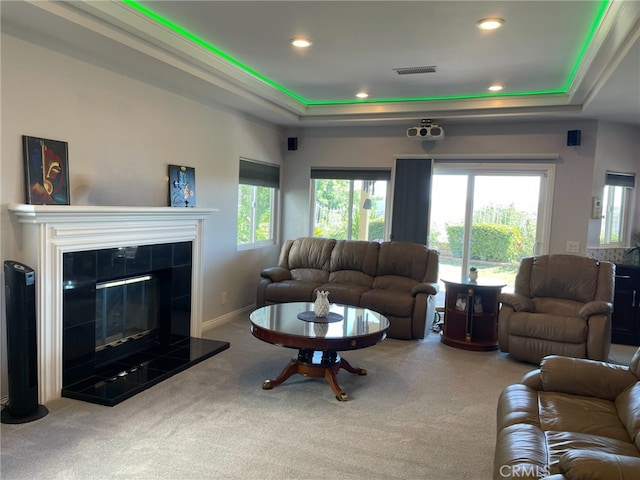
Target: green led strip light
{"type": "Point", "coordinates": [225, 56]}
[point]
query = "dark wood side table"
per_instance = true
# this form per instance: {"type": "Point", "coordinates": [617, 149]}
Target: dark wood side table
{"type": "Point", "coordinates": [471, 314]}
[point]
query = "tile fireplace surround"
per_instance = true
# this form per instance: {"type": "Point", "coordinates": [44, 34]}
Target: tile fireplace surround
{"type": "Point", "coordinates": [50, 231]}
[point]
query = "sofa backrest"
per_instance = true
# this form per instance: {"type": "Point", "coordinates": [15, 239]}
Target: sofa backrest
{"type": "Point", "coordinates": [308, 258]}
{"type": "Point", "coordinates": [354, 261]}
{"type": "Point", "coordinates": [360, 262]}
{"type": "Point", "coordinates": [569, 277]}
{"type": "Point", "coordinates": [409, 260]}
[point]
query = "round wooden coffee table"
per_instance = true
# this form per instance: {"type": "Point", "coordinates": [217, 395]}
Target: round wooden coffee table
{"type": "Point", "coordinates": [318, 340]}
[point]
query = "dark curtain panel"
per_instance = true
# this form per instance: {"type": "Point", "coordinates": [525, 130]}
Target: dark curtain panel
{"type": "Point", "coordinates": [411, 194]}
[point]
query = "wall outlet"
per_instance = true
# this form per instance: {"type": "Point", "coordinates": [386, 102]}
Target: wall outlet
{"type": "Point", "coordinates": [573, 246]}
{"type": "Point", "coordinates": [224, 298]}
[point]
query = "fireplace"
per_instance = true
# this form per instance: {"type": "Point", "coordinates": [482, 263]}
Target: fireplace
{"type": "Point", "coordinates": [126, 312]}
{"type": "Point", "coordinates": [118, 297]}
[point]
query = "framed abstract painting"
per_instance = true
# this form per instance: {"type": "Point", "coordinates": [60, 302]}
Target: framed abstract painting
{"type": "Point", "coordinates": [182, 186]}
{"type": "Point", "coordinates": [46, 171]}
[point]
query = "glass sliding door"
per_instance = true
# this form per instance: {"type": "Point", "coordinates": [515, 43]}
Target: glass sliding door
{"type": "Point", "coordinates": [448, 218]}
{"type": "Point", "coordinates": [489, 218]}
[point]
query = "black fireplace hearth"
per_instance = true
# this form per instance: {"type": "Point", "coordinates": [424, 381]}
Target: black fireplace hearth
{"type": "Point", "coordinates": [116, 382]}
{"type": "Point", "coordinates": [126, 319]}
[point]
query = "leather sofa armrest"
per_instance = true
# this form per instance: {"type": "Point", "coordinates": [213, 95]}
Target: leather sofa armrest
{"type": "Point", "coordinates": [595, 308]}
{"type": "Point", "coordinates": [276, 274]}
{"type": "Point", "coordinates": [429, 288]}
{"type": "Point", "coordinates": [532, 379]}
{"type": "Point", "coordinates": [589, 378]}
{"type": "Point", "coordinates": [595, 465]}
{"type": "Point", "coordinates": [518, 302]}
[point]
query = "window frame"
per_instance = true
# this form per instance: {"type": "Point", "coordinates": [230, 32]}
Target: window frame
{"type": "Point", "coordinates": [626, 183]}
{"type": "Point", "coordinates": [256, 174]}
{"type": "Point", "coordinates": [607, 217]}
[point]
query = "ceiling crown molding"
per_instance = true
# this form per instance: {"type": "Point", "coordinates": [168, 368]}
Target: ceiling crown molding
{"type": "Point", "coordinates": [116, 36]}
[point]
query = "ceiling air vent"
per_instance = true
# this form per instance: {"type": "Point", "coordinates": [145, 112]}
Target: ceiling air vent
{"type": "Point", "coordinates": [414, 70]}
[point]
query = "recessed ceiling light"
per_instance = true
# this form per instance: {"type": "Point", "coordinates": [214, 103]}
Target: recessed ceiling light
{"type": "Point", "coordinates": [495, 88]}
{"type": "Point", "coordinates": [489, 23]}
{"type": "Point", "coordinates": [362, 94]}
{"type": "Point", "coordinates": [301, 42]}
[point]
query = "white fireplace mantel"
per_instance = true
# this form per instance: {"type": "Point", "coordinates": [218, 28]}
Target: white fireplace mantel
{"type": "Point", "coordinates": [49, 231]}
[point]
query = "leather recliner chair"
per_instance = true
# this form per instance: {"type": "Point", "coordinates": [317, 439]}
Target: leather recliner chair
{"type": "Point", "coordinates": [561, 305]}
{"type": "Point", "coordinates": [570, 419]}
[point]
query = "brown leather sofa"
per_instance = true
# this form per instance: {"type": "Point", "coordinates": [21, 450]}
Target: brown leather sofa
{"type": "Point", "coordinates": [573, 419]}
{"type": "Point", "coordinates": [397, 279]}
{"type": "Point", "coordinates": [561, 305]}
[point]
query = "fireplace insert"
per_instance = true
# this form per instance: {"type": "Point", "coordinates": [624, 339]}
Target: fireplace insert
{"type": "Point", "coordinates": [126, 312]}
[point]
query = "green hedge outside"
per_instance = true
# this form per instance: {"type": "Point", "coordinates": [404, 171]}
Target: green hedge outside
{"type": "Point", "coordinates": [491, 242]}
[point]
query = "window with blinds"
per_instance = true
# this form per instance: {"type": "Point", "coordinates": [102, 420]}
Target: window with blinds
{"type": "Point", "coordinates": [257, 203]}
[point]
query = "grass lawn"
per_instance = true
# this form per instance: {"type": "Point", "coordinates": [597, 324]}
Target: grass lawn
{"type": "Point", "coordinates": [449, 268]}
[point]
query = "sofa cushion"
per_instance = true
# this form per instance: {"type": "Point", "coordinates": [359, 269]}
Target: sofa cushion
{"type": "Point", "coordinates": [559, 443]}
{"type": "Point", "coordinates": [343, 293]}
{"type": "Point", "coordinates": [549, 327]}
{"type": "Point", "coordinates": [557, 306]}
{"type": "Point", "coordinates": [388, 302]}
{"type": "Point", "coordinates": [393, 282]}
{"type": "Point", "coordinates": [532, 349]}
{"type": "Point", "coordinates": [351, 277]}
{"type": "Point", "coordinates": [593, 465]}
{"type": "Point", "coordinates": [309, 275]}
{"type": "Point", "coordinates": [562, 412]}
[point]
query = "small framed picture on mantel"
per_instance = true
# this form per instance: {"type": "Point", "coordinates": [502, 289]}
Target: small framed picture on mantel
{"type": "Point", "coordinates": [182, 186]}
{"type": "Point", "coordinates": [46, 171]}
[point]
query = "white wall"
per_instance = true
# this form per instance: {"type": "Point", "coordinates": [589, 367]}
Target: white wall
{"type": "Point", "coordinates": [379, 146]}
{"type": "Point", "coordinates": [122, 134]}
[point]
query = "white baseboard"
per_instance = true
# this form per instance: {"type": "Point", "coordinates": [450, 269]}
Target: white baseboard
{"type": "Point", "coordinates": [227, 317]}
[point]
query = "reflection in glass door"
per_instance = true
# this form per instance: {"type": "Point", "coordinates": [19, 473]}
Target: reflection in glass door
{"type": "Point", "coordinates": [488, 219]}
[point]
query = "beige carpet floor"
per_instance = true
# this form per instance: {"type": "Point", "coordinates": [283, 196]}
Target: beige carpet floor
{"type": "Point", "coordinates": [424, 411]}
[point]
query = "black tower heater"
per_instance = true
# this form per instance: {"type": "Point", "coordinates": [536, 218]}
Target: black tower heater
{"type": "Point", "coordinates": [20, 297]}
